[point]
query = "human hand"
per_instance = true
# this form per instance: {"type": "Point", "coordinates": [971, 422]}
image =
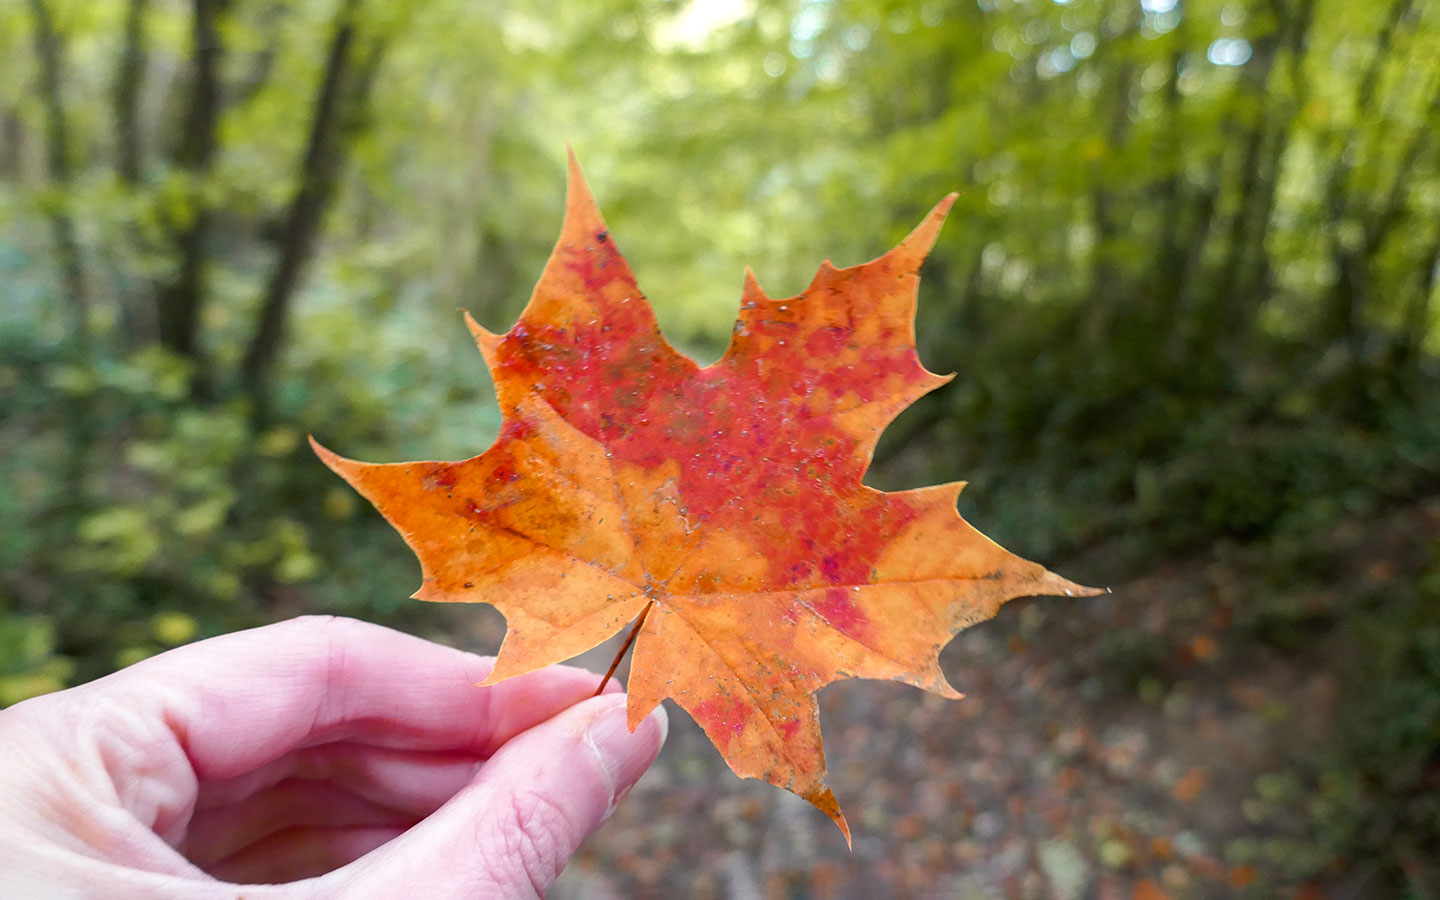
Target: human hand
{"type": "Point", "coordinates": [344, 758]}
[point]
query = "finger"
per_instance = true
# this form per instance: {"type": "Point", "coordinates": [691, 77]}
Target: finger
{"type": "Point", "coordinates": [511, 831]}
{"type": "Point", "coordinates": [370, 784]}
{"type": "Point", "coordinates": [240, 701]}
{"type": "Point", "coordinates": [287, 806]}
{"type": "Point", "coordinates": [296, 853]}
{"type": "Point", "coordinates": [414, 780]}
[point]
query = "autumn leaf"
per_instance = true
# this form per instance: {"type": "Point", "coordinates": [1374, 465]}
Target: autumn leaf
{"type": "Point", "coordinates": [723, 504]}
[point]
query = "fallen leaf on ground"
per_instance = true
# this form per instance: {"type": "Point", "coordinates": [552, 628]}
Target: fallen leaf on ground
{"type": "Point", "coordinates": [1188, 786]}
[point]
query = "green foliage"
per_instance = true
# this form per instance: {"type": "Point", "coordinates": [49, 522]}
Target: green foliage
{"type": "Point", "coordinates": [1380, 800]}
{"type": "Point", "coordinates": [1370, 798]}
{"type": "Point", "coordinates": [1189, 284]}
{"type": "Point", "coordinates": [31, 666]}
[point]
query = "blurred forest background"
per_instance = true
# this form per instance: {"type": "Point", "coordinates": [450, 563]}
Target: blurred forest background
{"type": "Point", "coordinates": [1189, 289]}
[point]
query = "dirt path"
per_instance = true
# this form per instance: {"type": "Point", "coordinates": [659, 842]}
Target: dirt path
{"type": "Point", "coordinates": [1134, 745]}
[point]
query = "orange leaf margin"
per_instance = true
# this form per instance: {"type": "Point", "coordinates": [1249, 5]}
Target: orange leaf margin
{"type": "Point", "coordinates": [726, 502]}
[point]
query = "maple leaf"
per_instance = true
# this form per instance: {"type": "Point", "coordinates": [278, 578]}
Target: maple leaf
{"type": "Point", "coordinates": [722, 506]}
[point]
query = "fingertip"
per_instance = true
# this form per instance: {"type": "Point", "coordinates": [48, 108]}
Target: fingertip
{"type": "Point", "coordinates": [622, 754]}
{"type": "Point", "coordinates": [662, 719]}
{"type": "Point", "coordinates": [529, 808]}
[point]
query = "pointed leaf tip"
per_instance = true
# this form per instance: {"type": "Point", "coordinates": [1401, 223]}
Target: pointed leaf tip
{"type": "Point", "coordinates": [577, 189]}
{"type": "Point", "coordinates": [824, 800]}
{"type": "Point", "coordinates": [917, 244]}
{"type": "Point", "coordinates": [1052, 585]}
{"type": "Point", "coordinates": [329, 457]}
{"type": "Point", "coordinates": [487, 341]}
{"type": "Point", "coordinates": [752, 288]}
{"type": "Point", "coordinates": [583, 221]}
{"type": "Point", "coordinates": [345, 467]}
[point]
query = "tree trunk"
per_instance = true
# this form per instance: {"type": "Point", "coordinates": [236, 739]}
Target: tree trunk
{"type": "Point", "coordinates": [136, 323]}
{"type": "Point", "coordinates": [339, 114]}
{"type": "Point", "coordinates": [1168, 272]}
{"type": "Point", "coordinates": [48, 49]}
{"type": "Point", "coordinates": [181, 301]}
{"type": "Point", "coordinates": [1104, 275]}
{"type": "Point", "coordinates": [1187, 341]}
{"type": "Point", "coordinates": [262, 63]}
{"type": "Point", "coordinates": [10, 145]}
{"type": "Point", "coordinates": [128, 80]}
{"type": "Point", "coordinates": [1416, 322]}
{"type": "Point", "coordinates": [1344, 317]}
{"type": "Point", "coordinates": [1248, 223]}
{"type": "Point", "coordinates": [1418, 315]}
{"type": "Point", "coordinates": [1357, 264]}
{"type": "Point", "coordinates": [1254, 275]}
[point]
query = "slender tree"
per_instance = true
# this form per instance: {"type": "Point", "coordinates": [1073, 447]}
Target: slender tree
{"type": "Point", "coordinates": [181, 300]}
{"type": "Point", "coordinates": [262, 63]}
{"type": "Point", "coordinates": [1344, 317]}
{"type": "Point", "coordinates": [129, 79]}
{"type": "Point", "coordinates": [1226, 318]}
{"type": "Point", "coordinates": [1253, 275]}
{"type": "Point", "coordinates": [136, 316]}
{"type": "Point", "coordinates": [11, 135]}
{"type": "Point", "coordinates": [1419, 313]}
{"type": "Point", "coordinates": [1105, 274]}
{"type": "Point", "coordinates": [49, 50]}
{"type": "Point", "coordinates": [340, 111]}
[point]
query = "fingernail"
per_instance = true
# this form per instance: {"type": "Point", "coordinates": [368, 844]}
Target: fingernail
{"type": "Point", "coordinates": [626, 756]}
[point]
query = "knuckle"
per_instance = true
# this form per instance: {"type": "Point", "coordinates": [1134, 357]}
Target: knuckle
{"type": "Point", "coordinates": [316, 623]}
{"type": "Point", "coordinates": [536, 836]}
{"type": "Point", "coordinates": [329, 632]}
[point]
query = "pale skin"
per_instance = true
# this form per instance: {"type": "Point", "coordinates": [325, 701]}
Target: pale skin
{"type": "Point", "coordinates": [315, 758]}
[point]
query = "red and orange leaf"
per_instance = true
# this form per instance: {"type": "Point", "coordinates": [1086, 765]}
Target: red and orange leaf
{"type": "Point", "coordinates": [726, 499]}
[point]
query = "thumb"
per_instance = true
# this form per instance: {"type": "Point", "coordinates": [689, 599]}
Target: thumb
{"type": "Point", "coordinates": [525, 813]}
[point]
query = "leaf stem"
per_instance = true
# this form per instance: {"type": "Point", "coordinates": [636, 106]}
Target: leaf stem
{"type": "Point", "coordinates": [630, 639]}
